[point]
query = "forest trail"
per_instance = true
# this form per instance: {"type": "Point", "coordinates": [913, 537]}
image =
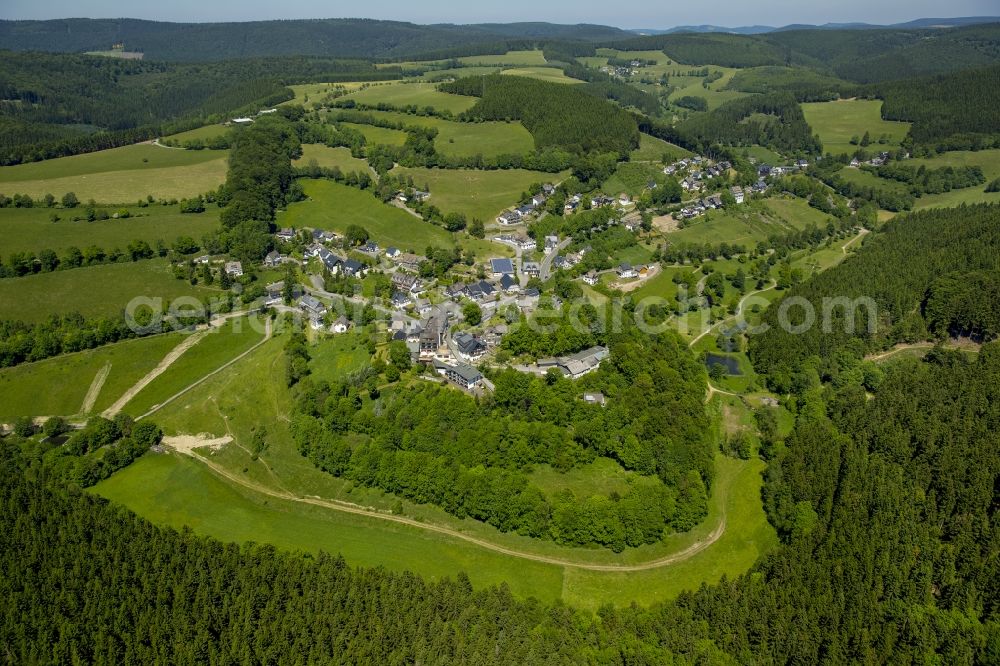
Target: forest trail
{"type": "Point", "coordinates": [167, 361]}
{"type": "Point", "coordinates": [346, 507]}
{"type": "Point", "coordinates": [861, 234]}
{"type": "Point", "coordinates": [739, 313]}
{"type": "Point", "coordinates": [962, 344]}
{"type": "Point", "coordinates": [95, 389]}
{"type": "Point", "coordinates": [156, 408]}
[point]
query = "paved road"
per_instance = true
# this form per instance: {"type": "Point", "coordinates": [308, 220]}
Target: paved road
{"type": "Point", "coordinates": [546, 265]}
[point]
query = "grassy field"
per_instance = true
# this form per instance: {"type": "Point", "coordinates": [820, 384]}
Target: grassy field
{"type": "Point", "coordinates": [30, 229]}
{"type": "Point", "coordinates": [601, 477]}
{"type": "Point", "coordinates": [632, 177]}
{"type": "Point", "coordinates": [421, 94]}
{"type": "Point", "coordinates": [988, 160]}
{"type": "Point", "coordinates": [309, 94]}
{"type": "Point", "coordinates": [550, 74]}
{"type": "Point", "coordinates": [120, 175]}
{"type": "Point", "coordinates": [868, 179]}
{"type": "Point", "coordinates": [333, 206]}
{"type": "Point", "coordinates": [749, 224]}
{"type": "Point", "coordinates": [211, 352]}
{"type": "Point", "coordinates": [335, 357]}
{"type": "Point", "coordinates": [482, 194]}
{"type": "Point", "coordinates": [379, 135]}
{"type": "Point", "coordinates": [251, 394]}
{"type": "Point", "coordinates": [837, 122]}
{"type": "Point", "coordinates": [467, 139]}
{"type": "Point", "coordinates": [330, 157]}
{"type": "Point", "coordinates": [203, 133]}
{"type": "Point", "coordinates": [459, 73]}
{"type": "Point", "coordinates": [510, 58]}
{"type": "Point", "coordinates": [715, 94]}
{"type": "Point", "coordinates": [58, 386]}
{"type": "Point", "coordinates": [95, 291]}
{"type": "Point", "coordinates": [652, 149]}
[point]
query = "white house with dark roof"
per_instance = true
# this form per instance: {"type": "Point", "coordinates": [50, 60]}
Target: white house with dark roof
{"type": "Point", "coordinates": [234, 269]}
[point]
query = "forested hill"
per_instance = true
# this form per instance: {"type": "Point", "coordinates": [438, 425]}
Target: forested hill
{"type": "Point", "coordinates": [195, 42]}
{"type": "Point", "coordinates": [932, 273]}
{"type": "Point", "coordinates": [864, 56]}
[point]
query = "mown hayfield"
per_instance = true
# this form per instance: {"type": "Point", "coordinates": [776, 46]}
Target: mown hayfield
{"type": "Point", "coordinates": [120, 175]}
{"type": "Point", "coordinates": [837, 122]}
{"type": "Point", "coordinates": [421, 94]}
{"type": "Point", "coordinates": [467, 139]}
{"type": "Point", "coordinates": [652, 149]}
{"type": "Point", "coordinates": [477, 194]}
{"type": "Point", "coordinates": [95, 291]}
{"type": "Point", "coordinates": [325, 156]}
{"type": "Point", "coordinates": [334, 206]}
{"type": "Point", "coordinates": [210, 353]}
{"type": "Point", "coordinates": [31, 229]}
{"type": "Point", "coordinates": [379, 135]}
{"type": "Point", "coordinates": [550, 74]}
{"type": "Point", "coordinates": [526, 58]}
{"type": "Point", "coordinates": [58, 386]}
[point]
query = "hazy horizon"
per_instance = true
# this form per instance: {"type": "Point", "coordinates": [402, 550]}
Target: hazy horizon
{"type": "Point", "coordinates": [726, 13]}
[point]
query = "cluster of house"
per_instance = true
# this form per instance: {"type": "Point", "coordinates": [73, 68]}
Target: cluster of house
{"type": "Point", "coordinates": [315, 310]}
{"type": "Point", "coordinates": [336, 264]}
{"type": "Point", "coordinates": [700, 206]}
{"type": "Point", "coordinates": [517, 241]}
{"type": "Point", "coordinates": [575, 365]}
{"type": "Point", "coordinates": [767, 171]}
{"type": "Point", "coordinates": [698, 171]}
{"type": "Point", "coordinates": [877, 161]}
{"type": "Point", "coordinates": [598, 201]}
{"type": "Point", "coordinates": [524, 211]}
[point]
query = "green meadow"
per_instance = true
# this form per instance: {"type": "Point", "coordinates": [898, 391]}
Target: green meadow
{"type": "Point", "coordinates": [652, 149]}
{"type": "Point", "coordinates": [202, 133]}
{"type": "Point", "coordinates": [31, 229]}
{"type": "Point", "coordinates": [120, 175]}
{"type": "Point", "coordinates": [327, 157]}
{"type": "Point", "coordinates": [839, 121]}
{"type": "Point", "coordinates": [748, 224]}
{"type": "Point", "coordinates": [58, 386]}
{"type": "Point", "coordinates": [210, 353]}
{"type": "Point", "coordinates": [527, 58]}
{"type": "Point", "coordinates": [404, 94]}
{"type": "Point", "coordinates": [477, 194]}
{"type": "Point", "coordinates": [988, 160]}
{"type": "Point", "coordinates": [94, 291]}
{"type": "Point", "coordinates": [550, 74]}
{"type": "Point", "coordinates": [716, 94]}
{"type": "Point", "coordinates": [467, 139]}
{"type": "Point", "coordinates": [334, 206]}
{"type": "Point", "coordinates": [379, 135]}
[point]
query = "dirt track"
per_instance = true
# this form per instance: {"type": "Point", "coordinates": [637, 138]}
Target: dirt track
{"type": "Point", "coordinates": [188, 447]}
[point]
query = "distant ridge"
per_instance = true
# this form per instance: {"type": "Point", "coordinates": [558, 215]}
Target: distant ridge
{"type": "Point", "coordinates": [764, 29]}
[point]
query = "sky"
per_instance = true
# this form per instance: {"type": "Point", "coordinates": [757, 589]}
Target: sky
{"type": "Point", "coordinates": [646, 14]}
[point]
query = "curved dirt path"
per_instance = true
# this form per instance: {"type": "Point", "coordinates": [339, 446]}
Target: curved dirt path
{"type": "Point", "coordinates": [167, 361]}
{"type": "Point", "coordinates": [358, 510]}
{"type": "Point", "coordinates": [95, 389]}
{"type": "Point", "coordinates": [739, 313]}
